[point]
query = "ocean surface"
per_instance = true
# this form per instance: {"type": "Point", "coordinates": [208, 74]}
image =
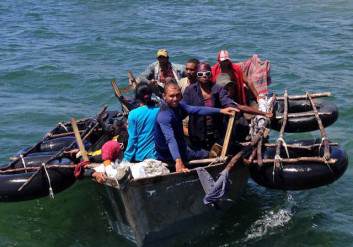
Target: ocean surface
{"type": "Point", "coordinates": [57, 59]}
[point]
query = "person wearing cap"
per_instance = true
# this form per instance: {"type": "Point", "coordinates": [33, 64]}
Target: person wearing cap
{"type": "Point", "coordinates": [157, 72]}
{"type": "Point", "coordinates": [241, 125]}
{"type": "Point", "coordinates": [190, 74]}
{"type": "Point", "coordinates": [141, 123]}
{"type": "Point", "coordinates": [224, 65]}
{"type": "Point", "coordinates": [204, 131]}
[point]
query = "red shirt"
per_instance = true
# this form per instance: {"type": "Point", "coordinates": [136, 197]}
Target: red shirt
{"type": "Point", "coordinates": [240, 84]}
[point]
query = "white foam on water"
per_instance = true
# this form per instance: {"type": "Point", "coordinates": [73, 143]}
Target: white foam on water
{"type": "Point", "coordinates": [271, 221]}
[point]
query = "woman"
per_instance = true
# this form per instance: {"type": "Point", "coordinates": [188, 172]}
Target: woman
{"type": "Point", "coordinates": [141, 123]}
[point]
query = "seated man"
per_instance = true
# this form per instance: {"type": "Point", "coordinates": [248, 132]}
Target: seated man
{"type": "Point", "coordinates": [204, 131]}
{"type": "Point", "coordinates": [169, 138]}
{"type": "Point", "coordinates": [190, 73]}
{"type": "Point", "coordinates": [241, 128]}
{"type": "Point", "coordinates": [224, 65]}
{"type": "Point", "coordinates": [141, 122]}
{"type": "Point", "coordinates": [157, 72]}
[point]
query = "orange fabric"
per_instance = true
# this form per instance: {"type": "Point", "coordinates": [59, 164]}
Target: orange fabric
{"type": "Point", "coordinates": [240, 84]}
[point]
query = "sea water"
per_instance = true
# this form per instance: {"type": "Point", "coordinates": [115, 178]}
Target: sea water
{"type": "Point", "coordinates": [57, 59]}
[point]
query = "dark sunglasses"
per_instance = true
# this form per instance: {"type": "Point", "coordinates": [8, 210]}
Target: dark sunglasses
{"type": "Point", "coordinates": [205, 73]}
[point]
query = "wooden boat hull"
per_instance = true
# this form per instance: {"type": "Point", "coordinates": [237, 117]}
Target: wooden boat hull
{"type": "Point", "coordinates": [150, 210]}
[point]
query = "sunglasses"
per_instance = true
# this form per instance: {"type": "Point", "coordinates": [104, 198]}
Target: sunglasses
{"type": "Point", "coordinates": [205, 73]}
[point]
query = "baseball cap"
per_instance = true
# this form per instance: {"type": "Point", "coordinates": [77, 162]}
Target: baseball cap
{"type": "Point", "coordinates": [223, 55]}
{"type": "Point", "coordinates": [162, 53]}
{"type": "Point", "coordinates": [223, 79]}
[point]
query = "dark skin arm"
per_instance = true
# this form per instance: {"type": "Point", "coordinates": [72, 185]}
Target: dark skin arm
{"type": "Point", "coordinates": [250, 110]}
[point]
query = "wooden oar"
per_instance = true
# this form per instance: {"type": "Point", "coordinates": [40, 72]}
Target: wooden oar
{"type": "Point", "coordinates": [227, 136]}
{"type": "Point", "coordinates": [79, 140]}
{"type": "Point", "coordinates": [120, 97]}
{"type": "Point", "coordinates": [132, 79]}
{"type": "Point", "coordinates": [223, 157]}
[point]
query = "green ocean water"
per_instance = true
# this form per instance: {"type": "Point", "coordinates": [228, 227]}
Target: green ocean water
{"type": "Point", "coordinates": [56, 62]}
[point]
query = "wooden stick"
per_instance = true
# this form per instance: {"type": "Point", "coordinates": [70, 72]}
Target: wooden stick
{"type": "Point", "coordinates": [300, 159]}
{"type": "Point", "coordinates": [281, 133]}
{"type": "Point", "coordinates": [132, 79]}
{"type": "Point", "coordinates": [79, 140]}
{"type": "Point", "coordinates": [302, 114]}
{"type": "Point", "coordinates": [37, 168]}
{"type": "Point", "coordinates": [120, 97]}
{"type": "Point", "coordinates": [64, 134]}
{"type": "Point", "coordinates": [207, 161]}
{"type": "Point", "coordinates": [322, 129]}
{"type": "Point", "coordinates": [240, 154]}
{"type": "Point", "coordinates": [299, 97]}
{"type": "Point", "coordinates": [297, 146]}
{"type": "Point", "coordinates": [259, 152]}
{"type": "Point", "coordinates": [227, 136]}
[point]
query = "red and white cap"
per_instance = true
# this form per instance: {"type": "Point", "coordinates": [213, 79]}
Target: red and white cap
{"type": "Point", "coordinates": [223, 55]}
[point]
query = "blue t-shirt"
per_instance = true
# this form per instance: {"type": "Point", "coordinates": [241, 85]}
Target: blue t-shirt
{"type": "Point", "coordinates": [169, 136]}
{"type": "Point", "coordinates": [141, 144]}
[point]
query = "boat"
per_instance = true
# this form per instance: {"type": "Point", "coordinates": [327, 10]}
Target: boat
{"type": "Point", "coordinates": [153, 210]}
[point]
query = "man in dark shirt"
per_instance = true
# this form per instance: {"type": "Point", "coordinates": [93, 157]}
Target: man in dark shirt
{"type": "Point", "coordinates": [169, 138]}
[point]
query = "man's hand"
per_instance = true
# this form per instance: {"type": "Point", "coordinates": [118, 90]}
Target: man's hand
{"type": "Point", "coordinates": [99, 177]}
{"type": "Point", "coordinates": [229, 111]}
{"type": "Point", "coordinates": [269, 114]}
{"type": "Point", "coordinates": [180, 167]}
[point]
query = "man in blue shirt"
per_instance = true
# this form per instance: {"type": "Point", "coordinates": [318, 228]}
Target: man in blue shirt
{"type": "Point", "coordinates": [169, 138]}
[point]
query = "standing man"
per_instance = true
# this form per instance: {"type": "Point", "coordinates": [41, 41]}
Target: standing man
{"type": "Point", "coordinates": [169, 139]}
{"type": "Point", "coordinates": [157, 72]}
{"type": "Point", "coordinates": [190, 72]}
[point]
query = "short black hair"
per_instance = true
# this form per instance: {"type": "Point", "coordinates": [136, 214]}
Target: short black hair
{"type": "Point", "coordinates": [143, 93]}
{"type": "Point", "coordinates": [193, 60]}
{"type": "Point", "coordinates": [170, 84]}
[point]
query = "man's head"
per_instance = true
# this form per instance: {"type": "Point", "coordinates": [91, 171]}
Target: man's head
{"type": "Point", "coordinates": [162, 57]}
{"type": "Point", "coordinates": [191, 69]}
{"type": "Point", "coordinates": [225, 81]}
{"type": "Point", "coordinates": [172, 94]}
{"type": "Point", "coordinates": [223, 55]}
{"type": "Point", "coordinates": [204, 73]}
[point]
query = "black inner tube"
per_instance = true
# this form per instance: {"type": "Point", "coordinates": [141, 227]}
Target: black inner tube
{"type": "Point", "coordinates": [328, 110]}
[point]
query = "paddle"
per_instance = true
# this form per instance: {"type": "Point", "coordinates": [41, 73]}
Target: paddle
{"type": "Point", "coordinates": [79, 140]}
{"type": "Point", "coordinates": [227, 136]}
{"type": "Point", "coordinates": [132, 79]}
{"type": "Point", "coordinates": [124, 103]}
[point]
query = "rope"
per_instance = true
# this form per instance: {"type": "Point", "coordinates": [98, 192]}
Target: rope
{"type": "Point", "coordinates": [63, 125]}
{"type": "Point", "coordinates": [322, 142]}
{"type": "Point", "coordinates": [23, 162]}
{"type": "Point", "coordinates": [276, 164]}
{"type": "Point", "coordinates": [51, 193]}
{"type": "Point", "coordinates": [284, 145]}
